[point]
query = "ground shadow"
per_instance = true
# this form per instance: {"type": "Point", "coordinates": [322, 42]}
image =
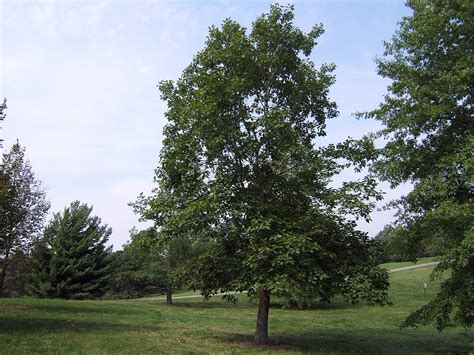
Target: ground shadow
{"type": "Point", "coordinates": [203, 304]}
{"type": "Point", "coordinates": [218, 303]}
{"type": "Point", "coordinates": [319, 306]}
{"type": "Point", "coordinates": [41, 325]}
{"type": "Point", "coordinates": [378, 341]}
{"type": "Point", "coordinates": [78, 307]}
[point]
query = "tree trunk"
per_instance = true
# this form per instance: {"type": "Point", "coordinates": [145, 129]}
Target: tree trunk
{"type": "Point", "coordinates": [261, 332]}
{"type": "Point", "coordinates": [4, 270]}
{"type": "Point", "coordinates": [2, 277]}
{"type": "Point", "coordinates": [169, 293]}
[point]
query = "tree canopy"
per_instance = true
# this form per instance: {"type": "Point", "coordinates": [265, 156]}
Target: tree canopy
{"type": "Point", "coordinates": [239, 168]}
{"type": "Point", "coordinates": [138, 269]}
{"type": "Point", "coordinates": [428, 123]}
{"type": "Point", "coordinates": [23, 207]}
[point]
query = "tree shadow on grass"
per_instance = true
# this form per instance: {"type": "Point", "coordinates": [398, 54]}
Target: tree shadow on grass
{"type": "Point", "coordinates": [371, 341]}
{"type": "Point", "coordinates": [202, 304]}
{"type": "Point", "coordinates": [48, 325]}
{"type": "Point", "coordinates": [218, 303]}
{"type": "Point", "coordinates": [318, 306]}
{"type": "Point", "coordinates": [78, 307]}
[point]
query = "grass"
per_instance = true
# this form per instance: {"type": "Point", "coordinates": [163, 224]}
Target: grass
{"type": "Point", "coordinates": [191, 325]}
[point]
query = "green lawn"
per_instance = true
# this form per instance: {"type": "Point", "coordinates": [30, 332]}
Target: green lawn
{"type": "Point", "coordinates": [191, 325]}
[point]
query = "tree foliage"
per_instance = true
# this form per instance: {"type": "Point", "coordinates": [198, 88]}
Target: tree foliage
{"type": "Point", "coordinates": [71, 260]}
{"type": "Point", "coordinates": [138, 269]}
{"type": "Point", "coordinates": [240, 170]}
{"type": "Point", "coordinates": [428, 123]}
{"type": "Point", "coordinates": [23, 207]}
{"type": "Point", "coordinates": [171, 248]}
{"type": "Point", "coordinates": [393, 245]}
{"type": "Point", "coordinates": [16, 279]}
{"type": "Point", "coordinates": [3, 107]}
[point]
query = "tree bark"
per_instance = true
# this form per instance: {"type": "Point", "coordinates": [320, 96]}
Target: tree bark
{"type": "Point", "coordinates": [261, 332]}
{"type": "Point", "coordinates": [4, 270]}
{"type": "Point", "coordinates": [169, 294]}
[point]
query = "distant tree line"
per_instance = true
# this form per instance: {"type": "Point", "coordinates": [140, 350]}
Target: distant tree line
{"type": "Point", "coordinates": [69, 258]}
{"type": "Point", "coordinates": [393, 243]}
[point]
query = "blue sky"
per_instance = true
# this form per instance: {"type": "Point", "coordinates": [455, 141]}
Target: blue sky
{"type": "Point", "coordinates": [80, 77]}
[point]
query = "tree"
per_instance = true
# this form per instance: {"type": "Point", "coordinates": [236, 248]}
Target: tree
{"type": "Point", "coordinates": [2, 116]}
{"type": "Point", "coordinates": [179, 180]}
{"type": "Point", "coordinates": [393, 245]}
{"type": "Point", "coordinates": [175, 251]}
{"type": "Point", "coordinates": [16, 279]}
{"type": "Point", "coordinates": [171, 248]}
{"type": "Point", "coordinates": [428, 123]}
{"type": "Point", "coordinates": [239, 169]}
{"type": "Point", "coordinates": [138, 269]}
{"type": "Point", "coordinates": [3, 177]}
{"type": "Point", "coordinates": [23, 207]}
{"type": "Point", "coordinates": [71, 260]}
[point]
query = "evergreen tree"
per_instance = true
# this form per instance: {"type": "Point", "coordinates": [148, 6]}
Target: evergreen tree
{"type": "Point", "coordinates": [72, 260]}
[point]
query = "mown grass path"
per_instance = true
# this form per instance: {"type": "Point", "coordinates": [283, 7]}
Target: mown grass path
{"type": "Point", "coordinates": [191, 325]}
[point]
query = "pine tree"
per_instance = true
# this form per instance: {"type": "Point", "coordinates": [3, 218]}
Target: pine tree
{"type": "Point", "coordinates": [72, 260]}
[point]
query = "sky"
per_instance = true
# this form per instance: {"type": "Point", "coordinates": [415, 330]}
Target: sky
{"type": "Point", "coordinates": [80, 77]}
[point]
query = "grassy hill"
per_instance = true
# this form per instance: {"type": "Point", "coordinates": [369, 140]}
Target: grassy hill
{"type": "Point", "coordinates": [191, 325]}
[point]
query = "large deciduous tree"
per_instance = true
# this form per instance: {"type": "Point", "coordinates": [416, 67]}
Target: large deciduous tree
{"type": "Point", "coordinates": [428, 122]}
{"type": "Point", "coordinates": [239, 168]}
{"type": "Point", "coordinates": [71, 260]}
{"type": "Point", "coordinates": [23, 207]}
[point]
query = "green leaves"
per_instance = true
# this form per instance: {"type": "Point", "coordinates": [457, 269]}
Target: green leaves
{"type": "Point", "coordinates": [23, 207]}
{"type": "Point", "coordinates": [454, 303]}
{"type": "Point", "coordinates": [23, 201]}
{"type": "Point", "coordinates": [428, 119]}
{"type": "Point", "coordinates": [239, 171]}
{"type": "Point", "coordinates": [141, 267]}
